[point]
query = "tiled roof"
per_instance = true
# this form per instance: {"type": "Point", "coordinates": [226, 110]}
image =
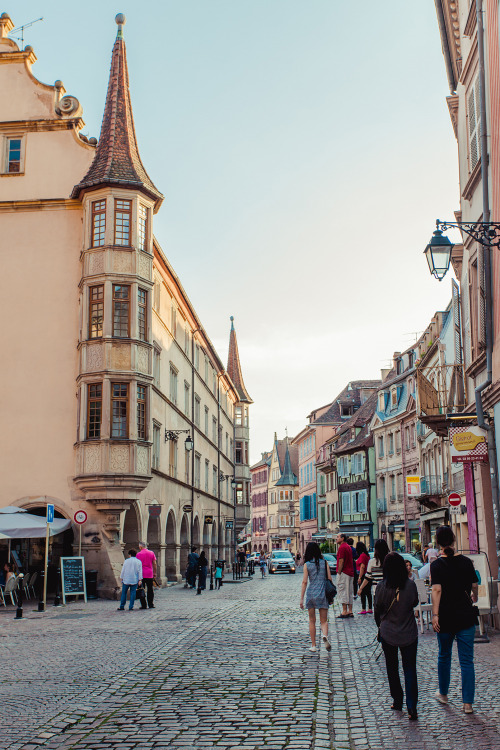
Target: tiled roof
{"type": "Point", "coordinates": [117, 160]}
{"type": "Point", "coordinates": [361, 419]}
{"type": "Point", "coordinates": [350, 395]}
{"type": "Point", "coordinates": [288, 476]}
{"type": "Point", "coordinates": [234, 367]}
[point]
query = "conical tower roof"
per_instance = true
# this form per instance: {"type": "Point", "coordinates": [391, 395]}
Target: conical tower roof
{"type": "Point", "coordinates": [117, 160]}
{"type": "Point", "coordinates": [234, 367]}
{"type": "Point", "coordinates": [287, 477]}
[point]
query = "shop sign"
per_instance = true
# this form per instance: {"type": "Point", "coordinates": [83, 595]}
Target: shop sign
{"type": "Point", "coordinates": [413, 486]}
{"type": "Point", "coordinates": [154, 511]}
{"type": "Point", "coordinates": [468, 444]}
{"type": "Point", "coordinates": [209, 520]}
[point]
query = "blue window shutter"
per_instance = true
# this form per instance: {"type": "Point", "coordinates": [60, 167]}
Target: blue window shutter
{"type": "Point", "coordinates": [315, 507]}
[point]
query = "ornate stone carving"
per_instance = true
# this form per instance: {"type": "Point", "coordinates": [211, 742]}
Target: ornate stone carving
{"type": "Point", "coordinates": [94, 358]}
{"type": "Point", "coordinates": [120, 357]}
{"type": "Point", "coordinates": [96, 263]}
{"type": "Point", "coordinates": [92, 459]}
{"type": "Point", "coordinates": [142, 359]}
{"type": "Point", "coordinates": [144, 266]}
{"type": "Point", "coordinates": [118, 458]}
{"type": "Point", "coordinates": [122, 262]}
{"type": "Point", "coordinates": [142, 460]}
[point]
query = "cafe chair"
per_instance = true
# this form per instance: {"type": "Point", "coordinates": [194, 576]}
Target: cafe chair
{"type": "Point", "coordinates": [423, 603]}
{"type": "Point", "coordinates": [31, 585]}
{"type": "Point", "coordinates": [10, 590]}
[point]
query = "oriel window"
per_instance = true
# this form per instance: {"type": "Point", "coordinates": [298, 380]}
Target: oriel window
{"type": "Point", "coordinates": [96, 311]}
{"type": "Point", "coordinates": [142, 228]}
{"type": "Point", "coordinates": [141, 412]}
{"type": "Point", "coordinates": [119, 410]}
{"type": "Point", "coordinates": [142, 301]}
{"type": "Point", "coordinates": [94, 410]}
{"type": "Point", "coordinates": [13, 155]}
{"type": "Point", "coordinates": [98, 223]}
{"type": "Point", "coordinates": [121, 310]}
{"type": "Point", "coordinates": [123, 216]}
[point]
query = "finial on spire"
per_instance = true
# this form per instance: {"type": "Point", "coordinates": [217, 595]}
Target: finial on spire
{"type": "Point", "coordinates": [232, 322]}
{"type": "Point", "coordinates": [121, 21]}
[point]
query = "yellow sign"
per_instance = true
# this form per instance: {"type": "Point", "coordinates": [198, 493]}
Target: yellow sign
{"type": "Point", "coordinates": [413, 486]}
{"type": "Point", "coordinates": [467, 441]}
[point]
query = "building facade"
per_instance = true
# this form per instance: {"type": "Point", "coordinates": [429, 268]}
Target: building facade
{"type": "Point", "coordinates": [125, 371]}
{"type": "Point", "coordinates": [259, 494]}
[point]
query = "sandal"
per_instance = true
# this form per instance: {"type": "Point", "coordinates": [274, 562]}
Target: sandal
{"type": "Point", "coordinates": [342, 617]}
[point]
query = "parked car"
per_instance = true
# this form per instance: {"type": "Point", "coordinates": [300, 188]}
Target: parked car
{"type": "Point", "coordinates": [254, 557]}
{"type": "Point", "coordinates": [281, 561]}
{"type": "Point", "coordinates": [332, 562]}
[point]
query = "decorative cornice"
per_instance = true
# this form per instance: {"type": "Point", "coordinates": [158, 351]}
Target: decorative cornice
{"type": "Point", "coordinates": [44, 204]}
{"type": "Point", "coordinates": [452, 102]}
{"type": "Point", "coordinates": [39, 126]}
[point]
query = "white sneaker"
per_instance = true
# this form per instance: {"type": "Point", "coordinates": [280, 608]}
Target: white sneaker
{"type": "Point", "coordinates": [441, 698]}
{"type": "Point", "coordinates": [313, 648]}
{"type": "Point", "coordinates": [327, 643]}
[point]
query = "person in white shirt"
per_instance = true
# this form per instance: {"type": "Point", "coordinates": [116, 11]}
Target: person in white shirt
{"type": "Point", "coordinates": [130, 577]}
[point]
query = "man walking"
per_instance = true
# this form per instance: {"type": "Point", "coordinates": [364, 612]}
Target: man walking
{"type": "Point", "coordinates": [192, 567]}
{"type": "Point", "coordinates": [130, 577]}
{"type": "Point", "coordinates": [345, 576]}
{"type": "Point", "coordinates": [148, 560]}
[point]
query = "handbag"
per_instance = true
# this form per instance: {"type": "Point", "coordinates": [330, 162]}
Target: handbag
{"type": "Point", "coordinates": [330, 588]}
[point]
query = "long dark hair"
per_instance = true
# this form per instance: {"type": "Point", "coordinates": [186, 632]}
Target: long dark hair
{"type": "Point", "coordinates": [395, 573]}
{"type": "Point", "coordinates": [313, 552]}
{"type": "Point", "coordinates": [381, 551]}
{"type": "Point", "coordinates": [203, 560]}
{"type": "Point", "coordinates": [361, 548]}
{"type": "Point", "coordinates": [445, 538]}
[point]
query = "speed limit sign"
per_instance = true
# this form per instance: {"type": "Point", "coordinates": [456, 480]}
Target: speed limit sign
{"type": "Point", "coordinates": [80, 516]}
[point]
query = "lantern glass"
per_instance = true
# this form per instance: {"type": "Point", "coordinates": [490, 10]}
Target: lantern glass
{"type": "Point", "coordinates": [438, 254]}
{"type": "Point", "coordinates": [188, 443]}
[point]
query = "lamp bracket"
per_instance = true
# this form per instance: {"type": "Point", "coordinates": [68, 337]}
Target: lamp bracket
{"type": "Point", "coordinates": [173, 434]}
{"type": "Point", "coordinates": [487, 233]}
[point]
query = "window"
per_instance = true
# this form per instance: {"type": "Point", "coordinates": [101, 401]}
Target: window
{"type": "Point", "coordinates": [142, 227]}
{"type": "Point", "coordinates": [197, 357]}
{"type": "Point", "coordinates": [172, 458]}
{"type": "Point", "coordinates": [411, 359]}
{"type": "Point", "coordinates": [407, 438]}
{"type": "Point", "coordinates": [391, 443]}
{"type": "Point", "coordinates": [214, 431]}
{"type": "Point", "coordinates": [174, 320]}
{"type": "Point", "coordinates": [206, 369]}
{"type": "Point", "coordinates": [156, 446]}
{"type": "Point", "coordinates": [123, 211]}
{"type": "Point", "coordinates": [239, 455]}
{"type": "Point", "coordinates": [156, 365]}
{"type": "Point", "coordinates": [343, 466]}
{"type": "Point", "coordinates": [394, 397]}
{"type": "Point", "coordinates": [206, 421]}
{"type": "Point", "coordinates": [214, 382]}
{"type": "Point", "coordinates": [98, 223]}
{"type": "Point", "coordinates": [346, 503]}
{"type": "Point", "coordinates": [227, 444]}
{"type": "Point", "coordinates": [474, 117]}
{"type": "Point", "coordinates": [94, 410]}
{"type": "Point", "coordinates": [246, 416]}
{"type": "Point", "coordinates": [96, 311]}
{"type": "Point", "coordinates": [207, 465]}
{"type": "Point", "coordinates": [358, 463]}
{"type": "Point", "coordinates": [173, 384]}
{"type": "Point", "coordinates": [197, 405]}
{"type": "Point", "coordinates": [214, 480]}
{"type": "Point", "coordinates": [186, 340]}
{"type": "Point", "coordinates": [142, 317]}
{"type": "Point", "coordinates": [141, 412]}
{"type": "Point", "coordinates": [186, 399]}
{"type": "Point", "coordinates": [239, 493]}
{"type": "Point", "coordinates": [119, 410]}
{"type": "Point", "coordinates": [359, 501]}
{"type": "Point", "coordinates": [121, 309]}
{"type": "Point", "coordinates": [238, 415]}
{"type": "Point", "coordinates": [381, 447]}
{"type": "Point", "coordinates": [197, 470]}
{"type": "Point", "coordinates": [13, 160]}
{"type": "Point", "coordinates": [186, 466]}
{"type": "Point", "coordinates": [156, 295]}
{"type": "Point", "coordinates": [398, 441]}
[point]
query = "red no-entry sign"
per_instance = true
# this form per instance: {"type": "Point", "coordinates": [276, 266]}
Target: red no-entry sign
{"type": "Point", "coordinates": [454, 499]}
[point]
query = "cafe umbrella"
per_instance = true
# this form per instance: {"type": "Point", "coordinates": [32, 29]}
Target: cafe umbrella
{"type": "Point", "coordinates": [16, 523]}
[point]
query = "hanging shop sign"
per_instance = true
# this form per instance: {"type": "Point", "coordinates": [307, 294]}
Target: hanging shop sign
{"type": "Point", "coordinates": [209, 520]}
{"type": "Point", "coordinates": [229, 524]}
{"type": "Point", "coordinates": [413, 486]}
{"type": "Point", "coordinates": [468, 443]}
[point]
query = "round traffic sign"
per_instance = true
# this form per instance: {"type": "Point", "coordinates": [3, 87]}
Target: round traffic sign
{"type": "Point", "coordinates": [454, 499]}
{"type": "Point", "coordinates": [80, 516]}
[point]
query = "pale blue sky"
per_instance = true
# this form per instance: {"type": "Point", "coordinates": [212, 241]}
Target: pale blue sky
{"type": "Point", "coordinates": [304, 149]}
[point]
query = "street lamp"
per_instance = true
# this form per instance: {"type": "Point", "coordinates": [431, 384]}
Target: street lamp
{"type": "Point", "coordinates": [174, 434]}
{"type": "Point", "coordinates": [438, 254]}
{"type": "Point", "coordinates": [438, 251]}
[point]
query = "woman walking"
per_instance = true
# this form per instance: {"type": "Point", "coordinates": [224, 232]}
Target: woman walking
{"type": "Point", "coordinates": [362, 561]}
{"type": "Point", "coordinates": [202, 572]}
{"type": "Point", "coordinates": [263, 564]}
{"type": "Point", "coordinates": [395, 598]}
{"type": "Point", "coordinates": [454, 589]}
{"type": "Point", "coordinates": [374, 570]}
{"type": "Point", "coordinates": [316, 571]}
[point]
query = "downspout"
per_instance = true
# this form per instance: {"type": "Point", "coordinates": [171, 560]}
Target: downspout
{"type": "Point", "coordinates": [487, 280]}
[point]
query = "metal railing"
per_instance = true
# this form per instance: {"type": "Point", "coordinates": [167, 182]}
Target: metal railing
{"type": "Point", "coordinates": [431, 485]}
{"type": "Point", "coordinates": [441, 389]}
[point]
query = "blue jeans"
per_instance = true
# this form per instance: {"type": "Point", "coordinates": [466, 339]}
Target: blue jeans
{"type": "Point", "coordinates": [125, 588]}
{"type": "Point", "coordinates": [465, 645]}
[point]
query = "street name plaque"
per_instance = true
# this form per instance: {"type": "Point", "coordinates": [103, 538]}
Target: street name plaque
{"type": "Point", "coordinates": [73, 577]}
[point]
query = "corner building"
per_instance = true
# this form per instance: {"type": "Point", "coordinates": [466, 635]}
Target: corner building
{"type": "Point", "coordinates": [108, 367]}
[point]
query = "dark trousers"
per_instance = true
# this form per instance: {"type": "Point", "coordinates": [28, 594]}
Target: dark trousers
{"type": "Point", "coordinates": [148, 585]}
{"type": "Point", "coordinates": [355, 584]}
{"type": "Point", "coordinates": [366, 596]}
{"type": "Point", "coordinates": [409, 659]}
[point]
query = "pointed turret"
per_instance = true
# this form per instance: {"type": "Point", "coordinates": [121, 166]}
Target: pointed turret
{"type": "Point", "coordinates": [287, 478]}
{"type": "Point", "coordinates": [117, 160]}
{"type": "Point", "coordinates": [234, 367]}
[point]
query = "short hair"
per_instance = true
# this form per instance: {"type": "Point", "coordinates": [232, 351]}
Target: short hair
{"type": "Point", "coordinates": [350, 541]}
{"type": "Point", "coordinates": [344, 536]}
{"type": "Point", "coordinates": [132, 552]}
{"type": "Point", "coordinates": [193, 549]}
{"type": "Point", "coordinates": [446, 538]}
{"type": "Point", "coordinates": [143, 544]}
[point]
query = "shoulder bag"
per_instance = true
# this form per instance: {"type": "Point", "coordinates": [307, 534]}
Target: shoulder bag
{"type": "Point", "coordinates": [330, 588]}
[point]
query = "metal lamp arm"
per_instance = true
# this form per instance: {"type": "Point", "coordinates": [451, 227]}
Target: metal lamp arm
{"type": "Point", "coordinates": [487, 233]}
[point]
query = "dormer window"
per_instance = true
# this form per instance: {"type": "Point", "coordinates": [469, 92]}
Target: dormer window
{"type": "Point", "coordinates": [411, 359]}
{"type": "Point", "coordinates": [13, 156]}
{"type": "Point", "coordinates": [394, 397]}
{"type": "Point", "coordinates": [345, 410]}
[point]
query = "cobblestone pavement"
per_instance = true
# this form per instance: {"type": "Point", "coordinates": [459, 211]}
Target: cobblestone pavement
{"type": "Point", "coordinates": [228, 669]}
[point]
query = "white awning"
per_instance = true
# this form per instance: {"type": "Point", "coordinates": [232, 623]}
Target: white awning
{"type": "Point", "coordinates": [21, 525]}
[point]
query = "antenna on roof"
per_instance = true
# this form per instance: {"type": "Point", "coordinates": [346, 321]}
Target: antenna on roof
{"type": "Point", "coordinates": [417, 334]}
{"type": "Point", "coordinates": [21, 29]}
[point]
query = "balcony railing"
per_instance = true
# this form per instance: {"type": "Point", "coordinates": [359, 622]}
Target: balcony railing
{"type": "Point", "coordinates": [441, 390]}
{"type": "Point", "coordinates": [381, 505]}
{"type": "Point", "coordinates": [431, 485]}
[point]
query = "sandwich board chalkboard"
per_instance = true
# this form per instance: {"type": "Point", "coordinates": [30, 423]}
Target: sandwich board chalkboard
{"type": "Point", "coordinates": [73, 577]}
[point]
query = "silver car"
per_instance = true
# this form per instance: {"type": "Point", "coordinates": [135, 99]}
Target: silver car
{"type": "Point", "coordinates": [281, 561]}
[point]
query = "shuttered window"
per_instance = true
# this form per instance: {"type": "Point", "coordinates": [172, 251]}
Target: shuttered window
{"type": "Point", "coordinates": [474, 116]}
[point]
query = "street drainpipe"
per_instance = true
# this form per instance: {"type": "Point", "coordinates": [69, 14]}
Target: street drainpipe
{"type": "Point", "coordinates": [487, 281]}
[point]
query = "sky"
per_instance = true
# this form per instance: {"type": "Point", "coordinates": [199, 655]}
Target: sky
{"type": "Point", "coordinates": [305, 150]}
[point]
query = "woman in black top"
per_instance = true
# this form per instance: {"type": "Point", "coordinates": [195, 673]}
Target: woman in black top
{"type": "Point", "coordinates": [454, 589]}
{"type": "Point", "coordinates": [395, 598]}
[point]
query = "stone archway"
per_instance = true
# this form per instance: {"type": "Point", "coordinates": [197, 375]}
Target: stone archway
{"type": "Point", "coordinates": [221, 552]}
{"type": "Point", "coordinates": [229, 552]}
{"type": "Point", "coordinates": [184, 548]}
{"type": "Point", "coordinates": [214, 542]}
{"type": "Point", "coordinates": [206, 541]}
{"type": "Point", "coordinates": [131, 529]}
{"type": "Point", "coordinates": [195, 542]}
{"type": "Point", "coordinates": [153, 538]}
{"type": "Point", "coordinates": [171, 549]}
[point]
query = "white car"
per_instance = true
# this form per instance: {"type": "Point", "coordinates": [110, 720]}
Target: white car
{"type": "Point", "coordinates": [281, 561]}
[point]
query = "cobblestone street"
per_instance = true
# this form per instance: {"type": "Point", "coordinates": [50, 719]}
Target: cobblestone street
{"type": "Point", "coordinates": [228, 669]}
